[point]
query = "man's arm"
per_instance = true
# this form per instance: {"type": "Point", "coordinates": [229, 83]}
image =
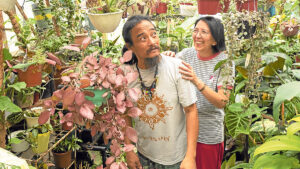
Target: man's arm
{"type": "Point", "coordinates": [191, 114]}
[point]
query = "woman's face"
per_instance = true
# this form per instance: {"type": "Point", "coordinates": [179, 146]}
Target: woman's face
{"type": "Point", "coordinates": [203, 39]}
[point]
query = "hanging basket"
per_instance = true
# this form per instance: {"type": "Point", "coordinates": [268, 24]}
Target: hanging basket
{"type": "Point", "coordinates": [187, 9]}
{"type": "Point", "coordinates": [107, 22]}
{"type": "Point", "coordinates": [42, 17]}
{"type": "Point", "coordinates": [32, 76]}
{"type": "Point", "coordinates": [7, 5]}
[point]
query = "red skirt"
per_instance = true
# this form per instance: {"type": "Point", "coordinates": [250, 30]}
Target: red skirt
{"type": "Point", "coordinates": [209, 156]}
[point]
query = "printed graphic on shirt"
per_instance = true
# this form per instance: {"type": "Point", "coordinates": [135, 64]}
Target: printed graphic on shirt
{"type": "Point", "coordinates": [154, 110]}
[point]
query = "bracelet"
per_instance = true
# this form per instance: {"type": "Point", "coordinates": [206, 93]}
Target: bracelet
{"type": "Point", "coordinates": [202, 88]}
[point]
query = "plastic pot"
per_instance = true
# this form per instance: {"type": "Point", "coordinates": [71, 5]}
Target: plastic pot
{"type": "Point", "coordinates": [20, 147]}
{"type": "Point", "coordinates": [107, 22]}
{"type": "Point", "coordinates": [42, 143]}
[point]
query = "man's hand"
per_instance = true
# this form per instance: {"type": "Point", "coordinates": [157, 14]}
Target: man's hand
{"type": "Point", "coordinates": [169, 53]}
{"type": "Point", "coordinates": [188, 163]}
{"type": "Point", "coordinates": [133, 161]}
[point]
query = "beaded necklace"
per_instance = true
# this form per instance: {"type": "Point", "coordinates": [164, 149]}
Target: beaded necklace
{"type": "Point", "coordinates": [148, 91]}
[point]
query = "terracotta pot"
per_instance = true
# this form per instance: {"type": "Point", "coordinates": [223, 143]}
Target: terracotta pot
{"type": "Point", "coordinates": [211, 7]}
{"type": "Point", "coordinates": [79, 38]}
{"type": "Point", "coordinates": [161, 8]}
{"type": "Point", "coordinates": [62, 160]}
{"type": "Point", "coordinates": [248, 5]}
{"type": "Point", "coordinates": [289, 29]}
{"type": "Point", "coordinates": [107, 22]}
{"type": "Point", "coordinates": [32, 76]}
{"type": "Point", "coordinates": [297, 58]}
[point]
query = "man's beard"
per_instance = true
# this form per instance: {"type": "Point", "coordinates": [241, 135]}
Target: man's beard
{"type": "Point", "coordinates": [150, 62]}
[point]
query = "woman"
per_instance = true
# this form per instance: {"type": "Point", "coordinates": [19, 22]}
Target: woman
{"type": "Point", "coordinates": [200, 61]}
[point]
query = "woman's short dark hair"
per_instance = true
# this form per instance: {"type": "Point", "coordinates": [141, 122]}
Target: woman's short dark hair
{"type": "Point", "coordinates": [126, 33]}
{"type": "Point", "coordinates": [217, 30]}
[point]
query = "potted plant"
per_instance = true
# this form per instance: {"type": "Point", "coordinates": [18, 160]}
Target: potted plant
{"type": "Point", "coordinates": [107, 15]}
{"type": "Point", "coordinates": [186, 8]}
{"type": "Point", "coordinates": [161, 7]}
{"type": "Point", "coordinates": [212, 7]}
{"type": "Point", "coordinates": [32, 116]}
{"type": "Point", "coordinates": [38, 137]}
{"type": "Point", "coordinates": [95, 96]}
{"type": "Point", "coordinates": [42, 15]}
{"type": "Point", "coordinates": [17, 140]}
{"type": "Point", "coordinates": [290, 28]}
{"type": "Point", "coordinates": [63, 151]}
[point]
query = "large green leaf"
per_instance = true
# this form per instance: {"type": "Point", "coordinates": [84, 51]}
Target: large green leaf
{"type": "Point", "coordinates": [234, 119]}
{"type": "Point", "coordinates": [279, 143]}
{"type": "Point", "coordinates": [276, 162]}
{"type": "Point", "coordinates": [7, 105]}
{"type": "Point", "coordinates": [285, 92]}
{"type": "Point", "coordinates": [7, 55]}
{"type": "Point", "coordinates": [268, 127]}
{"type": "Point", "coordinates": [293, 128]}
{"type": "Point", "coordinates": [275, 61]}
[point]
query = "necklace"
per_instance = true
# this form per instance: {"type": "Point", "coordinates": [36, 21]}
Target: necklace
{"type": "Point", "coordinates": [148, 91]}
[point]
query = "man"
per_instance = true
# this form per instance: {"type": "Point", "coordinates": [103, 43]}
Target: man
{"type": "Point", "coordinates": [168, 127]}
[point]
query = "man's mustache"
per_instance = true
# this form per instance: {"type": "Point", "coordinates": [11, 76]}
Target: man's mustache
{"type": "Point", "coordinates": [152, 48]}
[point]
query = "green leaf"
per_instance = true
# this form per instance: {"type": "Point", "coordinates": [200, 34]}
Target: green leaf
{"type": "Point", "coordinates": [293, 128]}
{"type": "Point", "coordinates": [285, 92]}
{"type": "Point", "coordinates": [279, 143]}
{"type": "Point", "coordinates": [270, 126]}
{"type": "Point", "coordinates": [296, 73]}
{"type": "Point", "coordinates": [276, 162]}
{"type": "Point", "coordinates": [231, 161]}
{"type": "Point", "coordinates": [97, 99]}
{"type": "Point", "coordinates": [7, 55]}
{"type": "Point", "coordinates": [243, 166]}
{"type": "Point", "coordinates": [219, 64]}
{"type": "Point", "coordinates": [23, 66]}
{"type": "Point", "coordinates": [7, 105]}
{"type": "Point", "coordinates": [239, 86]}
{"type": "Point", "coordinates": [234, 120]}
{"type": "Point", "coordinates": [35, 133]}
{"type": "Point", "coordinates": [18, 86]}
{"type": "Point", "coordinates": [242, 71]}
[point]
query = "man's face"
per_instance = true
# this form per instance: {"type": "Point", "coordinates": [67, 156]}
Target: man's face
{"type": "Point", "coordinates": [145, 40]}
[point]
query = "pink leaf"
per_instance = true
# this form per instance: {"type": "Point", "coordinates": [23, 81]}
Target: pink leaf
{"type": "Point", "coordinates": [44, 117]}
{"type": "Point", "coordinates": [92, 60]}
{"type": "Point", "coordinates": [74, 75]}
{"type": "Point", "coordinates": [120, 97]}
{"type": "Point", "coordinates": [105, 84]}
{"type": "Point", "coordinates": [51, 62]}
{"type": "Point", "coordinates": [134, 112]}
{"type": "Point", "coordinates": [128, 147]}
{"type": "Point", "coordinates": [114, 166]}
{"type": "Point", "coordinates": [84, 82]}
{"type": "Point", "coordinates": [53, 57]}
{"type": "Point", "coordinates": [61, 116]}
{"type": "Point", "coordinates": [126, 57]}
{"type": "Point", "coordinates": [86, 112]}
{"type": "Point", "coordinates": [131, 134]}
{"type": "Point", "coordinates": [86, 41]}
{"type": "Point", "coordinates": [123, 165]}
{"type": "Point", "coordinates": [65, 79]}
{"type": "Point", "coordinates": [131, 76]}
{"type": "Point", "coordinates": [68, 97]}
{"type": "Point", "coordinates": [134, 93]}
{"type": "Point", "coordinates": [90, 104]}
{"type": "Point", "coordinates": [119, 80]}
{"type": "Point", "coordinates": [111, 78]}
{"type": "Point", "coordinates": [99, 167]}
{"type": "Point", "coordinates": [120, 71]}
{"type": "Point", "coordinates": [121, 108]}
{"type": "Point", "coordinates": [129, 103]}
{"type": "Point", "coordinates": [68, 117]}
{"type": "Point", "coordinates": [105, 94]}
{"type": "Point", "coordinates": [52, 111]}
{"type": "Point", "coordinates": [72, 48]}
{"type": "Point", "coordinates": [57, 95]}
{"type": "Point", "coordinates": [109, 160]}
{"type": "Point", "coordinates": [79, 99]}
{"type": "Point", "coordinates": [48, 103]}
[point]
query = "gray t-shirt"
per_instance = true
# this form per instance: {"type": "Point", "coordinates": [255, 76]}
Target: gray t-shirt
{"type": "Point", "coordinates": [211, 127]}
{"type": "Point", "coordinates": [162, 126]}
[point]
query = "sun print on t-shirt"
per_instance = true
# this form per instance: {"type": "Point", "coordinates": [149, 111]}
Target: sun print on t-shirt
{"type": "Point", "coordinates": [154, 110]}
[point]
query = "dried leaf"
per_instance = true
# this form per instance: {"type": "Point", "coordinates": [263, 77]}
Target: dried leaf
{"type": "Point", "coordinates": [84, 83]}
